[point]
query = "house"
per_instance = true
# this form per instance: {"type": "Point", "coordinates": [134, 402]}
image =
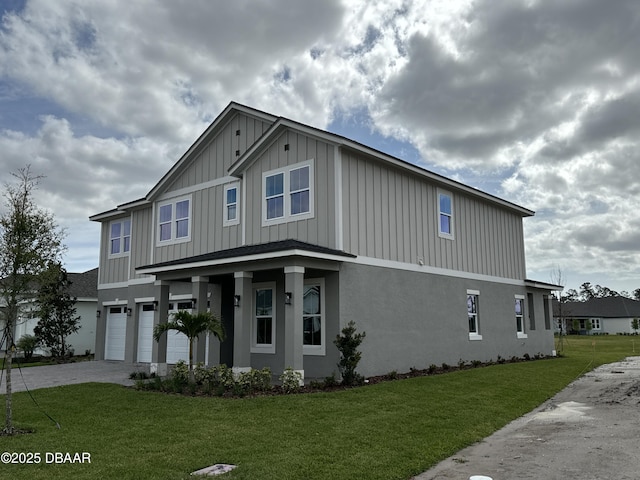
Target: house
{"type": "Point", "coordinates": [597, 316]}
{"type": "Point", "coordinates": [84, 288]}
{"type": "Point", "coordinates": [288, 232]}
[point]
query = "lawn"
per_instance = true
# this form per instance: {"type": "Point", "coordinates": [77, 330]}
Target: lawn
{"type": "Point", "coordinates": [393, 429]}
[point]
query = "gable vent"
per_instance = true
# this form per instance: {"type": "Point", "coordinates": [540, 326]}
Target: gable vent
{"type": "Point", "coordinates": [286, 147]}
{"type": "Point", "coordinates": [237, 133]}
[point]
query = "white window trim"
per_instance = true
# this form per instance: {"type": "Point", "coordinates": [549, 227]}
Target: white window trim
{"type": "Point", "coordinates": [441, 234]}
{"type": "Point", "coordinates": [121, 253]}
{"type": "Point", "coordinates": [593, 323]}
{"type": "Point", "coordinates": [262, 348]}
{"type": "Point", "coordinates": [287, 216]}
{"type": "Point", "coordinates": [225, 219]}
{"type": "Point", "coordinates": [318, 350]}
{"type": "Point", "coordinates": [173, 240]}
{"type": "Point", "coordinates": [523, 333]}
{"type": "Point", "coordinates": [475, 335]}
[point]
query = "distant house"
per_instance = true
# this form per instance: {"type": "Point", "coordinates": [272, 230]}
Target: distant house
{"type": "Point", "coordinates": [289, 232]}
{"type": "Point", "coordinates": [608, 315]}
{"type": "Point", "coordinates": [84, 286]}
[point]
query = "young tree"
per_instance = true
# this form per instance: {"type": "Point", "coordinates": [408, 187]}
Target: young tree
{"type": "Point", "coordinates": [56, 310]}
{"type": "Point", "coordinates": [635, 325]}
{"type": "Point", "coordinates": [29, 240]}
{"type": "Point", "coordinates": [192, 325]}
{"type": "Point", "coordinates": [348, 343]}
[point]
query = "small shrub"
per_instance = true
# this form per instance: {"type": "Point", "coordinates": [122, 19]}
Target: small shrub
{"type": "Point", "coordinates": [291, 380]}
{"type": "Point", "coordinates": [392, 375]}
{"type": "Point", "coordinates": [432, 369]}
{"type": "Point", "coordinates": [348, 343]}
{"type": "Point", "coordinates": [27, 344]}
{"type": "Point", "coordinates": [527, 357]}
{"type": "Point", "coordinates": [500, 360]}
{"type": "Point", "coordinates": [476, 363]}
{"type": "Point", "coordinates": [445, 367]}
{"type": "Point", "coordinates": [330, 381]}
{"type": "Point", "coordinates": [138, 375]}
{"type": "Point", "coordinates": [461, 364]}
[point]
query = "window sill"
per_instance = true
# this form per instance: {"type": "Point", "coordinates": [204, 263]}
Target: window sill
{"type": "Point", "coordinates": [522, 335]}
{"type": "Point", "coordinates": [475, 336]}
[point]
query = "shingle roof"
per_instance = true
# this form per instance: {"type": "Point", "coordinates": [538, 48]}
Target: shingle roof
{"type": "Point", "coordinates": [606, 307]}
{"type": "Point", "coordinates": [84, 285]}
{"type": "Point", "coordinates": [247, 250]}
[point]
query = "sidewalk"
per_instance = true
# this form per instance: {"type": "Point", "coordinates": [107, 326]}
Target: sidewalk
{"type": "Point", "coordinates": [588, 431]}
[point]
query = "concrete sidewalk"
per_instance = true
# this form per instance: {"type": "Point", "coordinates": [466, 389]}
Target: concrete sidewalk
{"type": "Point", "coordinates": [102, 371]}
{"type": "Point", "coordinates": [588, 431]}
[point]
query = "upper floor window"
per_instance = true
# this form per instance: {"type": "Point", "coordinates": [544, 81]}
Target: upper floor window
{"type": "Point", "coordinates": [174, 220]}
{"type": "Point", "coordinates": [472, 314]}
{"type": "Point", "coordinates": [519, 310]}
{"type": "Point", "coordinates": [288, 193]}
{"type": "Point", "coordinates": [445, 214]}
{"type": "Point", "coordinates": [231, 205]}
{"type": "Point", "coordinates": [120, 237]}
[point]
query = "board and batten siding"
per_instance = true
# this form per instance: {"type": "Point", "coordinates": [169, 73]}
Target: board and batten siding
{"type": "Point", "coordinates": [213, 162]}
{"type": "Point", "coordinates": [319, 230]}
{"type": "Point", "coordinates": [392, 215]}
{"type": "Point", "coordinates": [112, 269]}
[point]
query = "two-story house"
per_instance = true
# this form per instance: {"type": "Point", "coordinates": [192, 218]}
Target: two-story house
{"type": "Point", "coordinates": [289, 232]}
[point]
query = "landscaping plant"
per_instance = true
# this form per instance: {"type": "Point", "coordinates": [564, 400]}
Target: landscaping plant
{"type": "Point", "coordinates": [348, 343]}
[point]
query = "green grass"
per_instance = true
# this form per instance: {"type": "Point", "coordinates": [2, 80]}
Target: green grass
{"type": "Point", "coordinates": [391, 430]}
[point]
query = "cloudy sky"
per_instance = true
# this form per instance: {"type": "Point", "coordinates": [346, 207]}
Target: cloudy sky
{"type": "Point", "coordinates": [537, 102]}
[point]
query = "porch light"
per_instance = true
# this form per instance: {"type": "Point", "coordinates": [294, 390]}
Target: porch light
{"type": "Point", "coordinates": [236, 300]}
{"type": "Point", "coordinates": [287, 298]}
{"type": "Point", "coordinates": [98, 313]}
{"type": "Point", "coordinates": [193, 302]}
{"type": "Point", "coordinates": [128, 312]}
{"type": "Point", "coordinates": [155, 305]}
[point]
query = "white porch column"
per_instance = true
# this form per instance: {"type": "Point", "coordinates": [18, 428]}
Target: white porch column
{"type": "Point", "coordinates": [242, 322]}
{"type": "Point", "coordinates": [215, 307]}
{"type": "Point", "coordinates": [293, 325]}
{"type": "Point", "coordinates": [160, 315]}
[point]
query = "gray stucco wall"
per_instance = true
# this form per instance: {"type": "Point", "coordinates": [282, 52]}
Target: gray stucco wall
{"type": "Point", "coordinates": [415, 319]}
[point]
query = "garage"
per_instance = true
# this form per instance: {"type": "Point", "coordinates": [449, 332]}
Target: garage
{"type": "Point", "coordinates": [145, 333]}
{"type": "Point", "coordinates": [116, 333]}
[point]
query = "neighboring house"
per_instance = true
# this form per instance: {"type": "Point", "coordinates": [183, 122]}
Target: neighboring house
{"type": "Point", "coordinates": [289, 232]}
{"type": "Point", "coordinates": [607, 315]}
{"type": "Point", "coordinates": [84, 287]}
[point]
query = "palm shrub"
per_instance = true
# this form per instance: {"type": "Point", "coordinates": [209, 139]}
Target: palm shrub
{"type": "Point", "coordinates": [27, 344]}
{"type": "Point", "coordinates": [192, 325]}
{"type": "Point", "coordinates": [348, 343]}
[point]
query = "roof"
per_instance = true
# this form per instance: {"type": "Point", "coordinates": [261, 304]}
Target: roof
{"type": "Point", "coordinates": [84, 285]}
{"type": "Point", "coordinates": [605, 307]}
{"type": "Point", "coordinates": [248, 252]}
{"type": "Point", "coordinates": [279, 125]}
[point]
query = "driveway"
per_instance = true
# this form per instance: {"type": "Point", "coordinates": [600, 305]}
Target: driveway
{"type": "Point", "coordinates": [103, 371]}
{"type": "Point", "coordinates": [588, 431]}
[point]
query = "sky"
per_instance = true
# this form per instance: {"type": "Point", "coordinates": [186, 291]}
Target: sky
{"type": "Point", "coordinates": [537, 102]}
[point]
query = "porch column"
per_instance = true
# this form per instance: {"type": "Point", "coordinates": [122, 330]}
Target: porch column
{"type": "Point", "coordinates": [160, 315]}
{"type": "Point", "coordinates": [215, 307]}
{"type": "Point", "coordinates": [242, 322]}
{"type": "Point", "coordinates": [293, 325]}
{"type": "Point", "coordinates": [199, 287]}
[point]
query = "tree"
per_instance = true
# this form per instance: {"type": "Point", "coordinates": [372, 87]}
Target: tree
{"type": "Point", "coordinates": [635, 325]}
{"type": "Point", "coordinates": [636, 294]}
{"type": "Point", "coordinates": [29, 240]}
{"type": "Point", "coordinates": [56, 310]}
{"type": "Point", "coordinates": [348, 344]}
{"type": "Point", "coordinates": [191, 325]}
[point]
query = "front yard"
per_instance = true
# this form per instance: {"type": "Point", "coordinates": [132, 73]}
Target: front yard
{"type": "Point", "coordinates": [393, 429]}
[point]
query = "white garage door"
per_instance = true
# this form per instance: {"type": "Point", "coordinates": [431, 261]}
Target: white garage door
{"type": "Point", "coordinates": [116, 333]}
{"type": "Point", "coordinates": [177, 343]}
{"type": "Point", "coordinates": [145, 333]}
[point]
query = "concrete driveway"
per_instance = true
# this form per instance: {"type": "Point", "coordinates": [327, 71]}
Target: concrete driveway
{"type": "Point", "coordinates": [588, 431]}
{"type": "Point", "coordinates": [103, 371]}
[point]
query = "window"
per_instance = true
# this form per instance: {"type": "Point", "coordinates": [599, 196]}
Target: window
{"type": "Point", "coordinates": [288, 194]}
{"type": "Point", "coordinates": [472, 314]}
{"type": "Point", "coordinates": [445, 214]}
{"type": "Point", "coordinates": [264, 322]}
{"type": "Point", "coordinates": [519, 309]}
{"type": "Point", "coordinates": [595, 323]}
{"type": "Point", "coordinates": [174, 221]}
{"type": "Point", "coordinates": [231, 213]}
{"type": "Point", "coordinates": [120, 237]}
{"type": "Point", "coordinates": [313, 318]}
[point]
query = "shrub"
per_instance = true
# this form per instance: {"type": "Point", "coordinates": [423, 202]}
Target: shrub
{"type": "Point", "coordinates": [445, 367]}
{"type": "Point", "coordinates": [291, 380]}
{"type": "Point", "coordinates": [392, 375]}
{"type": "Point", "coordinates": [348, 344]}
{"type": "Point", "coordinates": [432, 369]}
{"type": "Point", "coordinates": [27, 344]}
